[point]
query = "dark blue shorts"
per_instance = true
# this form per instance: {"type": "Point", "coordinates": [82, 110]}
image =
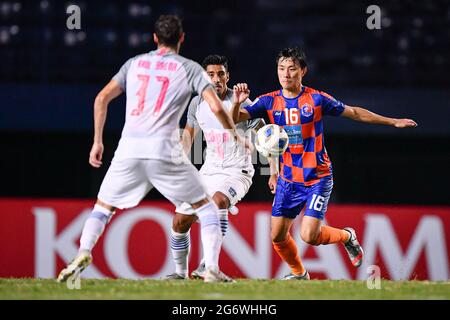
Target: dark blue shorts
{"type": "Point", "coordinates": [291, 197]}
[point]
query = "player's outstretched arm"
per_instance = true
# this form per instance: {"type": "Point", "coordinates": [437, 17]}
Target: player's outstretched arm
{"type": "Point", "coordinates": [240, 94]}
{"type": "Point", "coordinates": [364, 115]}
{"type": "Point", "coordinates": [104, 97]}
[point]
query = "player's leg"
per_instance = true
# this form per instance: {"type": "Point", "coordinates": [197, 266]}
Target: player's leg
{"type": "Point", "coordinates": [180, 242]}
{"type": "Point", "coordinates": [211, 236]}
{"type": "Point", "coordinates": [95, 225]}
{"type": "Point", "coordinates": [182, 183]}
{"type": "Point", "coordinates": [92, 230]}
{"type": "Point", "coordinates": [227, 191]}
{"type": "Point", "coordinates": [286, 248]}
{"type": "Point", "coordinates": [315, 233]}
{"type": "Point", "coordinates": [286, 206]}
{"type": "Point", "coordinates": [223, 203]}
{"type": "Point", "coordinates": [124, 186]}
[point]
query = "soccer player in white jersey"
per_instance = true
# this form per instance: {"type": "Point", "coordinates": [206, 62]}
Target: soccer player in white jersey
{"type": "Point", "coordinates": [159, 85]}
{"type": "Point", "coordinates": [227, 173]}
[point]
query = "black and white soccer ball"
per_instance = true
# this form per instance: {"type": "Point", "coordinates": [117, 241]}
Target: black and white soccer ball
{"type": "Point", "coordinates": [271, 140]}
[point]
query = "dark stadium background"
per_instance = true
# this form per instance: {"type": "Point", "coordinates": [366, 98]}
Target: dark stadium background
{"type": "Point", "coordinates": [49, 77]}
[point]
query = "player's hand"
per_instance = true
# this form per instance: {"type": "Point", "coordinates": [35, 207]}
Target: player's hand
{"type": "Point", "coordinates": [404, 123]}
{"type": "Point", "coordinates": [96, 154]}
{"type": "Point", "coordinates": [240, 93]}
{"type": "Point", "coordinates": [273, 183]}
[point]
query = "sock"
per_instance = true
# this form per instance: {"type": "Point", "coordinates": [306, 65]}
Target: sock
{"type": "Point", "coordinates": [180, 244]}
{"type": "Point", "coordinates": [94, 227]}
{"type": "Point", "coordinates": [287, 250]}
{"type": "Point", "coordinates": [223, 218]}
{"type": "Point", "coordinates": [330, 235]}
{"type": "Point", "coordinates": [210, 233]}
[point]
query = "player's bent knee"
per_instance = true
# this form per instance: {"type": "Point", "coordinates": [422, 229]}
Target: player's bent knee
{"type": "Point", "coordinates": [182, 223]}
{"type": "Point", "coordinates": [309, 237]}
{"type": "Point", "coordinates": [278, 237]}
{"type": "Point", "coordinates": [221, 200]}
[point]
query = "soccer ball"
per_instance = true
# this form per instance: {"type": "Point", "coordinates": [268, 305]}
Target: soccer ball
{"type": "Point", "coordinates": [271, 140]}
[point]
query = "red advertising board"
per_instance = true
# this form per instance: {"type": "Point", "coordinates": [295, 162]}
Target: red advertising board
{"type": "Point", "coordinates": [37, 237]}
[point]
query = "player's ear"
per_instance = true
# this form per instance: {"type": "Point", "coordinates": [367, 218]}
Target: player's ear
{"type": "Point", "coordinates": [304, 70]}
{"type": "Point", "coordinates": [155, 38]}
{"type": "Point", "coordinates": [182, 37]}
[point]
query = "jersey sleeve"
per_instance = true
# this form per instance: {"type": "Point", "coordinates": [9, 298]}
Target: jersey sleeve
{"type": "Point", "coordinates": [121, 76]}
{"type": "Point", "coordinates": [331, 106]}
{"type": "Point", "coordinates": [258, 108]}
{"type": "Point", "coordinates": [255, 123]}
{"type": "Point", "coordinates": [192, 110]}
{"type": "Point", "coordinates": [197, 77]}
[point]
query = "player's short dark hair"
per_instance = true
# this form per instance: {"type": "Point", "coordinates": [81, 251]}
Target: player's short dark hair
{"type": "Point", "coordinates": [168, 29]}
{"type": "Point", "coordinates": [295, 54]}
{"type": "Point", "coordinates": [215, 59]}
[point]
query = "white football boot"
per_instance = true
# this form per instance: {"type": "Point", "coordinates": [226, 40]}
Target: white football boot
{"type": "Point", "coordinates": [199, 273]}
{"type": "Point", "coordinates": [215, 275]}
{"type": "Point", "coordinates": [77, 265]}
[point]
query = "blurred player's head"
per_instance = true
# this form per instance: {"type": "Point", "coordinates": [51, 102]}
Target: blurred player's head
{"type": "Point", "coordinates": [217, 69]}
{"type": "Point", "coordinates": [168, 32]}
{"type": "Point", "coordinates": [291, 67]}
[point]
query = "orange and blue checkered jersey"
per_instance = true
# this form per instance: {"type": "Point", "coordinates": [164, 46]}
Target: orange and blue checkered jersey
{"type": "Point", "coordinates": [305, 160]}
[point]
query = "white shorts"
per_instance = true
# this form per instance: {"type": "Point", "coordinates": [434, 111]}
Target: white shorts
{"type": "Point", "coordinates": [129, 180]}
{"type": "Point", "coordinates": [235, 186]}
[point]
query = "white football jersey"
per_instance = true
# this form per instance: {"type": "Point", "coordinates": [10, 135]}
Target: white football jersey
{"type": "Point", "coordinates": [222, 151]}
{"type": "Point", "coordinates": [158, 86]}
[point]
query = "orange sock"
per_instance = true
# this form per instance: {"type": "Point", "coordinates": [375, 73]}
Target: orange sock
{"type": "Point", "coordinates": [330, 235]}
{"type": "Point", "coordinates": [287, 250]}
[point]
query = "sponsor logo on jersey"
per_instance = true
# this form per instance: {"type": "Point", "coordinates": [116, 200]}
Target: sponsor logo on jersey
{"type": "Point", "coordinates": [232, 192]}
{"type": "Point", "coordinates": [307, 110]}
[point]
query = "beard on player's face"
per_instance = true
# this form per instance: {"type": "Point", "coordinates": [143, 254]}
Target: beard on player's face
{"type": "Point", "coordinates": [219, 76]}
{"type": "Point", "coordinates": [220, 84]}
{"type": "Point", "coordinates": [220, 88]}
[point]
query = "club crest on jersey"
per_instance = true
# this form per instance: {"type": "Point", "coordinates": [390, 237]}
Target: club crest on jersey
{"type": "Point", "coordinates": [307, 110]}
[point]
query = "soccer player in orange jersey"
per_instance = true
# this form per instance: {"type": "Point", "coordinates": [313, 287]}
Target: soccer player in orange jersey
{"type": "Point", "coordinates": [305, 179]}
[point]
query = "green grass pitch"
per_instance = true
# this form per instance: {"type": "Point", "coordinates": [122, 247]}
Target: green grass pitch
{"type": "Point", "coordinates": [242, 289]}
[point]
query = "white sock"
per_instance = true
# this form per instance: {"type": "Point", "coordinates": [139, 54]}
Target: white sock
{"type": "Point", "coordinates": [180, 244]}
{"type": "Point", "coordinates": [94, 227]}
{"type": "Point", "coordinates": [210, 233]}
{"type": "Point", "coordinates": [223, 218]}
